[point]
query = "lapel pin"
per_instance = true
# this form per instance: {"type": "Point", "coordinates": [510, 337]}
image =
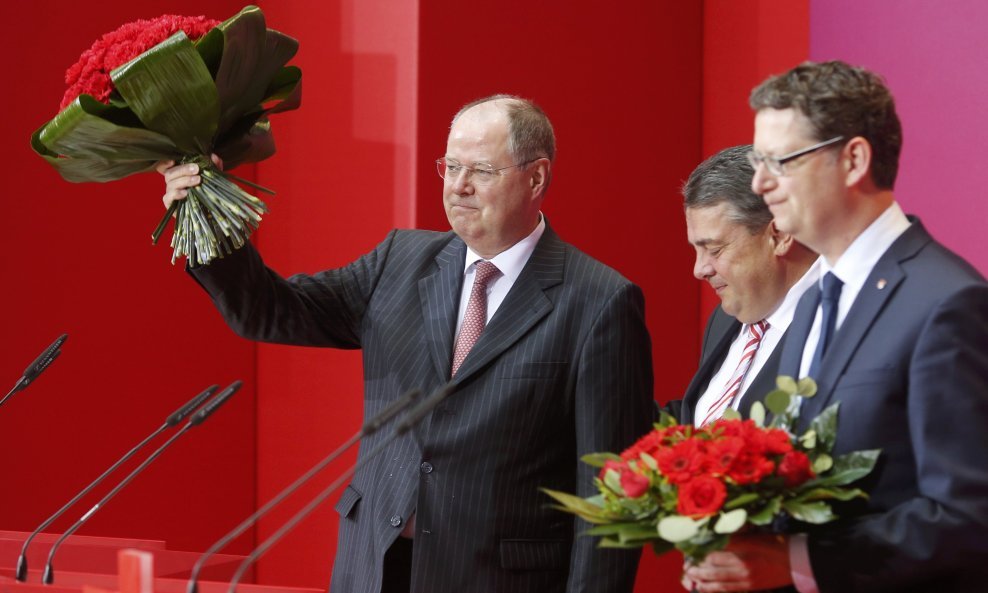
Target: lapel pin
{"type": "Point", "coordinates": [881, 284]}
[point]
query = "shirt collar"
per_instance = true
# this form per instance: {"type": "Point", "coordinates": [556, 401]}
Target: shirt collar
{"type": "Point", "coordinates": [512, 260]}
{"type": "Point", "coordinates": [856, 262]}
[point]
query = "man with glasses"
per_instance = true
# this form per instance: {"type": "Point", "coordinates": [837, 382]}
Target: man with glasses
{"type": "Point", "coordinates": [896, 333]}
{"type": "Point", "coordinates": [546, 349]}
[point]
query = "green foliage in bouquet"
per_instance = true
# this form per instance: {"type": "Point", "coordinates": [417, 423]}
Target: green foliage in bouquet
{"type": "Point", "coordinates": [182, 100]}
{"type": "Point", "coordinates": [690, 488]}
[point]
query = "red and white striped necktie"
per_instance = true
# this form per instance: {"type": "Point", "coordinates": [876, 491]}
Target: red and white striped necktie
{"type": "Point", "coordinates": [756, 332]}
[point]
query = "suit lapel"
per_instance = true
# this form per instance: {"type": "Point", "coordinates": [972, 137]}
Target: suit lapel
{"type": "Point", "coordinates": [764, 382]}
{"type": "Point", "coordinates": [882, 283]}
{"type": "Point", "coordinates": [723, 335]}
{"type": "Point", "coordinates": [440, 297]}
{"type": "Point", "coordinates": [525, 304]}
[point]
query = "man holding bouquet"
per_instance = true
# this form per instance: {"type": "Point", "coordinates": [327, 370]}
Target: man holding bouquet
{"type": "Point", "coordinates": [546, 348]}
{"type": "Point", "coordinates": [896, 332]}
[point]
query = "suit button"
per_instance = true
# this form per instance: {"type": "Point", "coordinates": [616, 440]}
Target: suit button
{"type": "Point", "coordinates": [396, 521]}
{"type": "Point", "coordinates": [426, 467]}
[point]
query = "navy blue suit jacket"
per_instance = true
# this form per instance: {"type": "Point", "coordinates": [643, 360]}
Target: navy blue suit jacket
{"type": "Point", "coordinates": [909, 367]}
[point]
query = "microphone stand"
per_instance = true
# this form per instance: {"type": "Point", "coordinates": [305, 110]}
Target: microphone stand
{"type": "Point", "coordinates": [372, 426]}
{"type": "Point", "coordinates": [198, 418]}
{"type": "Point", "coordinates": [20, 573]}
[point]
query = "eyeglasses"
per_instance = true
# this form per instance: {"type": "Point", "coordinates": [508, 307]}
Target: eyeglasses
{"type": "Point", "coordinates": [776, 165]}
{"type": "Point", "coordinates": [481, 174]}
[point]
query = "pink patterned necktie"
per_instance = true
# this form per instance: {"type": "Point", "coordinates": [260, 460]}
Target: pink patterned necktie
{"type": "Point", "coordinates": [475, 317]}
{"type": "Point", "coordinates": [756, 332]}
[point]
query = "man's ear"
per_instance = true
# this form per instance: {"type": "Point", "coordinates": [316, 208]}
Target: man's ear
{"type": "Point", "coordinates": [856, 158]}
{"type": "Point", "coordinates": [539, 176]}
{"type": "Point", "coordinates": [781, 242]}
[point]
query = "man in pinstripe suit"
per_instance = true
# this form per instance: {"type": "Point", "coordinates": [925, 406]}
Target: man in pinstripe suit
{"type": "Point", "coordinates": [562, 368]}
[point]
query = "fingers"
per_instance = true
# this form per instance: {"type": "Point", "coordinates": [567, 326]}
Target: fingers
{"type": "Point", "coordinates": [720, 571]}
{"type": "Point", "coordinates": [178, 180]}
{"type": "Point", "coordinates": [217, 161]}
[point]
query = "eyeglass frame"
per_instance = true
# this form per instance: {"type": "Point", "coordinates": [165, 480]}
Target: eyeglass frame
{"type": "Point", "coordinates": [776, 165]}
{"type": "Point", "coordinates": [442, 162]}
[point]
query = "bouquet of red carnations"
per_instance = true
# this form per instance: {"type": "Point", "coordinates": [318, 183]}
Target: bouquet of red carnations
{"type": "Point", "coordinates": [690, 488]}
{"type": "Point", "coordinates": [178, 88]}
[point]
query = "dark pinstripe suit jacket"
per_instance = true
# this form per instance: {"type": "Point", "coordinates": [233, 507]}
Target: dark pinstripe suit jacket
{"type": "Point", "coordinates": [562, 369]}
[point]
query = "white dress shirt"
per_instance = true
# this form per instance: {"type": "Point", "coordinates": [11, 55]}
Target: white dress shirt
{"type": "Point", "coordinates": [852, 268]}
{"type": "Point", "coordinates": [510, 262]}
{"type": "Point", "coordinates": [778, 323]}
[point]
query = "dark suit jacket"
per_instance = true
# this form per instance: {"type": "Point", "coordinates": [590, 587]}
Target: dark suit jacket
{"type": "Point", "coordinates": [562, 369]}
{"type": "Point", "coordinates": [721, 331]}
{"type": "Point", "coordinates": [909, 367]}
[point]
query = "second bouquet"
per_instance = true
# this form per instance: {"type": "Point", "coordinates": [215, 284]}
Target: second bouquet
{"type": "Point", "coordinates": [691, 488]}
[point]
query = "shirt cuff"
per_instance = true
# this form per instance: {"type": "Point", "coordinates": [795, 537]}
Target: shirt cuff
{"type": "Point", "coordinates": [799, 564]}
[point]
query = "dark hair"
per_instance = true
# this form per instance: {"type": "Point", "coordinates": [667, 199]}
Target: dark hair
{"type": "Point", "coordinates": [726, 178]}
{"type": "Point", "coordinates": [840, 100]}
{"type": "Point", "coordinates": [530, 134]}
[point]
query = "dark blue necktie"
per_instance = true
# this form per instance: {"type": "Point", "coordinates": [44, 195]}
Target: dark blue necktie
{"type": "Point", "coordinates": [828, 301]}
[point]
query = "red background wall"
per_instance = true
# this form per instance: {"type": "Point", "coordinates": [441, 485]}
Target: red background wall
{"type": "Point", "coordinates": [638, 95]}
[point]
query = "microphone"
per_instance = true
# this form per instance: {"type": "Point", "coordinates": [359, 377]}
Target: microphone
{"type": "Point", "coordinates": [21, 573]}
{"type": "Point", "coordinates": [370, 427]}
{"type": "Point", "coordinates": [198, 418]}
{"type": "Point", "coordinates": [407, 423]}
{"type": "Point", "coordinates": [38, 366]}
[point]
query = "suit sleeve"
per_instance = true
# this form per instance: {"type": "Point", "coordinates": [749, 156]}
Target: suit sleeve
{"type": "Point", "coordinates": [613, 407]}
{"type": "Point", "coordinates": [940, 536]}
{"type": "Point", "coordinates": [323, 309]}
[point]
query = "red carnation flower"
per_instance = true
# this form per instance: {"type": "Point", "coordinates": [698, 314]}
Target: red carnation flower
{"type": "Point", "coordinates": [700, 497]}
{"type": "Point", "coordinates": [684, 460]}
{"type": "Point", "coordinates": [795, 468]}
{"type": "Point", "coordinates": [722, 452]}
{"type": "Point", "coordinates": [774, 441]}
{"type": "Point", "coordinates": [650, 443]}
{"type": "Point", "coordinates": [91, 74]}
{"type": "Point", "coordinates": [750, 468]}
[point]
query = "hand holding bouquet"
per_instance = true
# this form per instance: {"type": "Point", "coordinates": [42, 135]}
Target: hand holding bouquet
{"type": "Point", "coordinates": [178, 88]}
{"type": "Point", "coordinates": [690, 488]}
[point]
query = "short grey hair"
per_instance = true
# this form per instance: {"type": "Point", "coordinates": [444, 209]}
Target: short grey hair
{"type": "Point", "coordinates": [725, 178]}
{"type": "Point", "coordinates": [530, 134]}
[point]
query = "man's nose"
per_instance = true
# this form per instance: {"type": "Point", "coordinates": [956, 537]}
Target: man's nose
{"type": "Point", "coordinates": [763, 181]}
{"type": "Point", "coordinates": [702, 268]}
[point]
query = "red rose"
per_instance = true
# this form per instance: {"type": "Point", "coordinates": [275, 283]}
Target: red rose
{"type": "Point", "coordinates": [749, 468]}
{"type": "Point", "coordinates": [700, 497]}
{"type": "Point", "coordinates": [795, 468]}
{"type": "Point", "coordinates": [617, 466]}
{"type": "Point", "coordinates": [683, 461]}
{"type": "Point", "coordinates": [633, 483]}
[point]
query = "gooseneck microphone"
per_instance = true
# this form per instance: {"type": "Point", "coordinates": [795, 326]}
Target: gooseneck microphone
{"type": "Point", "coordinates": [21, 573]}
{"type": "Point", "coordinates": [38, 366]}
{"type": "Point", "coordinates": [197, 418]}
{"type": "Point", "coordinates": [407, 423]}
{"type": "Point", "coordinates": [370, 427]}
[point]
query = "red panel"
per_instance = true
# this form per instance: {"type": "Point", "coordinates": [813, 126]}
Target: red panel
{"type": "Point", "coordinates": [142, 337]}
{"type": "Point", "coordinates": [743, 43]}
